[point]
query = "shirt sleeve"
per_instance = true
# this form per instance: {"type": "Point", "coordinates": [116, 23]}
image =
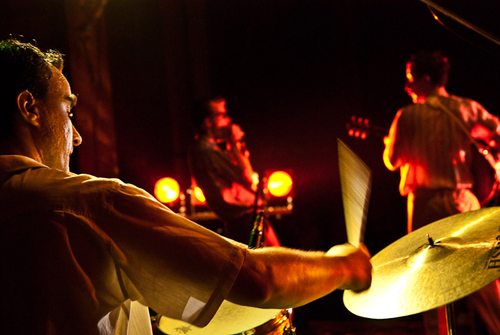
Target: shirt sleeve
{"type": "Point", "coordinates": [177, 267]}
{"type": "Point", "coordinates": [486, 126]}
{"type": "Point", "coordinates": [390, 156]}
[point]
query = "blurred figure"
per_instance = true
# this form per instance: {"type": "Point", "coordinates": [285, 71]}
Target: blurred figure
{"type": "Point", "coordinates": [430, 143]}
{"type": "Point", "coordinates": [220, 164]}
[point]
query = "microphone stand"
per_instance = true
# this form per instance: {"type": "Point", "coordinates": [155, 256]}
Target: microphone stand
{"type": "Point", "coordinates": [257, 236]}
{"type": "Point", "coordinates": [462, 21]}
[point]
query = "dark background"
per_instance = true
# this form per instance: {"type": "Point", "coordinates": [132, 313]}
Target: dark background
{"type": "Point", "coordinates": [293, 73]}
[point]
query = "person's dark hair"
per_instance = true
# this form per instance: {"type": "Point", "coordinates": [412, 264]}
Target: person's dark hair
{"type": "Point", "coordinates": [200, 111]}
{"type": "Point", "coordinates": [23, 66]}
{"type": "Point", "coordinates": [432, 63]}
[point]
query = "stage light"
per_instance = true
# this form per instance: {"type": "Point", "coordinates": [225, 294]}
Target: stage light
{"type": "Point", "coordinates": [167, 190]}
{"type": "Point", "coordinates": [196, 197]}
{"type": "Point", "coordinates": [199, 196]}
{"type": "Point", "coordinates": [278, 192]}
{"type": "Point", "coordinates": [279, 183]}
{"type": "Point", "coordinates": [198, 209]}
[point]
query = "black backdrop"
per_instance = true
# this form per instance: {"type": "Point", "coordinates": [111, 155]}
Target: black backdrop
{"type": "Point", "coordinates": [293, 73]}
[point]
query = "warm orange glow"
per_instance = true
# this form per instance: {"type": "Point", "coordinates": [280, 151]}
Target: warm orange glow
{"type": "Point", "coordinates": [409, 76]}
{"type": "Point", "coordinates": [219, 106]}
{"type": "Point", "coordinates": [167, 190]}
{"type": "Point", "coordinates": [279, 183]}
{"type": "Point", "coordinates": [414, 97]}
{"type": "Point", "coordinates": [198, 194]}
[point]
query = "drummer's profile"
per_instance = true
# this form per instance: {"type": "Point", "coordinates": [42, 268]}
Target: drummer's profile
{"type": "Point", "coordinates": [88, 255]}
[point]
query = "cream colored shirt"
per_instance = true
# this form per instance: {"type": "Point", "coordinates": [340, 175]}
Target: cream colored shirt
{"type": "Point", "coordinates": [75, 247]}
{"type": "Point", "coordinates": [430, 149]}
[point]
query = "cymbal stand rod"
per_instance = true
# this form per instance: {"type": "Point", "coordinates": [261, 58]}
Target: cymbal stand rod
{"type": "Point", "coordinates": [450, 319]}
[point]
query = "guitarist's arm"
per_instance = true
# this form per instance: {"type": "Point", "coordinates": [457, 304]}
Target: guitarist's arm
{"type": "Point", "coordinates": [487, 131]}
{"type": "Point", "coordinates": [487, 143]}
{"type": "Point", "coordinates": [392, 161]}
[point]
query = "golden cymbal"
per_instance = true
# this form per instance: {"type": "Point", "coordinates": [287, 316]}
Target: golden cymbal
{"type": "Point", "coordinates": [432, 266]}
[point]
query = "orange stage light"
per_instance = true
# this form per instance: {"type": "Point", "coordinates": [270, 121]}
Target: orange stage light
{"type": "Point", "coordinates": [198, 194]}
{"type": "Point", "coordinates": [167, 190]}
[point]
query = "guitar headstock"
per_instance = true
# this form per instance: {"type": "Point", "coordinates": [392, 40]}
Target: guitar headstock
{"type": "Point", "coordinates": [361, 127]}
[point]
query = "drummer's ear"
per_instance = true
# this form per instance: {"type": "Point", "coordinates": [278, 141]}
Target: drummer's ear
{"type": "Point", "coordinates": [26, 106]}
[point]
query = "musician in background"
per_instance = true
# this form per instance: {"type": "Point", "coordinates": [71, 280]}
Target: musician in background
{"type": "Point", "coordinates": [430, 143]}
{"type": "Point", "coordinates": [220, 164]}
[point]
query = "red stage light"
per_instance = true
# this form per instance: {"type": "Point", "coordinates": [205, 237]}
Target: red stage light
{"type": "Point", "coordinates": [167, 190]}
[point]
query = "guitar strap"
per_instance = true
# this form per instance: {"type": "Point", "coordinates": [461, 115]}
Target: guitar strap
{"type": "Point", "coordinates": [434, 102]}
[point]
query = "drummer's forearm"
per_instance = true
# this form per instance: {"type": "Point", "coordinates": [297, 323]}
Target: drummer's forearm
{"type": "Point", "coordinates": [285, 278]}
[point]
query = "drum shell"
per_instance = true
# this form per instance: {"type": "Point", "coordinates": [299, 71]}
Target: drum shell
{"type": "Point", "coordinates": [276, 326]}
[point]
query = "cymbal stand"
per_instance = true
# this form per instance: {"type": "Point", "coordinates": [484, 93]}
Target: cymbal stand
{"type": "Point", "coordinates": [450, 313]}
{"type": "Point", "coordinates": [450, 319]}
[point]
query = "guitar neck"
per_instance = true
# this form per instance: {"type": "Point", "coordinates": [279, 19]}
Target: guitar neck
{"type": "Point", "coordinates": [362, 128]}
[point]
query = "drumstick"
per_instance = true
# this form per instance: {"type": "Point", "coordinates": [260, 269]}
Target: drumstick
{"type": "Point", "coordinates": [355, 183]}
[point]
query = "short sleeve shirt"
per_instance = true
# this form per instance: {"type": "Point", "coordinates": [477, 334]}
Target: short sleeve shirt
{"type": "Point", "coordinates": [74, 247]}
{"type": "Point", "coordinates": [433, 151]}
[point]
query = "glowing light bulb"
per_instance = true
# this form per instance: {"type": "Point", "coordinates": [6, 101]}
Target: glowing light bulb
{"type": "Point", "coordinates": [279, 183]}
{"type": "Point", "coordinates": [167, 190]}
{"type": "Point", "coordinates": [198, 193]}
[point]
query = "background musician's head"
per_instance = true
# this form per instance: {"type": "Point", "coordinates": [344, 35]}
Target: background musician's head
{"type": "Point", "coordinates": [210, 119]}
{"type": "Point", "coordinates": [426, 73]}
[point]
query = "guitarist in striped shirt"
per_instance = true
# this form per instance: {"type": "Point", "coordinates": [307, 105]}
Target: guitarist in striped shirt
{"type": "Point", "coordinates": [430, 143]}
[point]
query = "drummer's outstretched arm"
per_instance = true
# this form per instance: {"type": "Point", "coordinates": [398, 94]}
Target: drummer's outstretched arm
{"type": "Point", "coordinates": [283, 278]}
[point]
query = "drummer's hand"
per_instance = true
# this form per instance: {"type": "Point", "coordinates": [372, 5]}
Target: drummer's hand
{"type": "Point", "coordinates": [358, 269]}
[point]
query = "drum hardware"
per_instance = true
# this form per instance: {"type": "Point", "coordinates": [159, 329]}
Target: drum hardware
{"type": "Point", "coordinates": [279, 325]}
{"type": "Point", "coordinates": [289, 329]}
{"type": "Point", "coordinates": [432, 267]}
